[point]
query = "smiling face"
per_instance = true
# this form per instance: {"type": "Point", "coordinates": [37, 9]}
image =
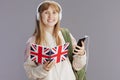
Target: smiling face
{"type": "Point", "coordinates": [49, 14]}
{"type": "Point", "coordinates": [49, 17]}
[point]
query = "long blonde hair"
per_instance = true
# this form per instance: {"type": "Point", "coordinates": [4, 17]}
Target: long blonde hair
{"type": "Point", "coordinates": [39, 32]}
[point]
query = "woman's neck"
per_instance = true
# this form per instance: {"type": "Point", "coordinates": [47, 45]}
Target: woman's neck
{"type": "Point", "coordinates": [49, 29]}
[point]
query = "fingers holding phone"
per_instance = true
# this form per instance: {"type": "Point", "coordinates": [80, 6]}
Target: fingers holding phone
{"type": "Point", "coordinates": [79, 50]}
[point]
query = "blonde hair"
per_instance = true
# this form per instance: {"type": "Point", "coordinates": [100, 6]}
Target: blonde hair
{"type": "Point", "coordinates": [39, 32]}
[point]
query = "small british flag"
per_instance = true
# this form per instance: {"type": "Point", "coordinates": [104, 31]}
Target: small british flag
{"type": "Point", "coordinates": [41, 54]}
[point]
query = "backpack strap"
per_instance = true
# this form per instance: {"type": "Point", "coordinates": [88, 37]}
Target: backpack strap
{"type": "Point", "coordinates": [67, 38]}
{"type": "Point", "coordinates": [80, 75]}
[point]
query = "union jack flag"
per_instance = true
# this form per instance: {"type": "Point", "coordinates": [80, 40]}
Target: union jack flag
{"type": "Point", "coordinates": [41, 54]}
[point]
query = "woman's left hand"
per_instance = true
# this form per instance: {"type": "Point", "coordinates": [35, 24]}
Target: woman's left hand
{"type": "Point", "coordinates": [79, 50]}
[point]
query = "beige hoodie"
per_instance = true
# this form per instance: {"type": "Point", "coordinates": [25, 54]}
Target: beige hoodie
{"type": "Point", "coordinates": [61, 71]}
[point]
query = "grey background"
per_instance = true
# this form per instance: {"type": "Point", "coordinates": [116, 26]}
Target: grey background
{"type": "Point", "coordinates": [100, 19]}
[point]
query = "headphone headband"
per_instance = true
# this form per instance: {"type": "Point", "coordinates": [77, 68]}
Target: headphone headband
{"type": "Point", "coordinates": [60, 14]}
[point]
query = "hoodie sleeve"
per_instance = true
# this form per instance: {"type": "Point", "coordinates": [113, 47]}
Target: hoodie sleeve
{"type": "Point", "coordinates": [33, 71]}
{"type": "Point", "coordinates": [78, 61]}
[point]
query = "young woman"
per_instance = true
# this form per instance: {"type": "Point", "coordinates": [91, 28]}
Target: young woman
{"type": "Point", "coordinates": [48, 33]}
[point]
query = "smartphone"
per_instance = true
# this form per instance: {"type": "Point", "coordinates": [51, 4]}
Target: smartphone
{"type": "Point", "coordinates": [79, 43]}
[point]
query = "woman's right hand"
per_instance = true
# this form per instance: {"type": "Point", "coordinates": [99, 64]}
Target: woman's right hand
{"type": "Point", "coordinates": [48, 65]}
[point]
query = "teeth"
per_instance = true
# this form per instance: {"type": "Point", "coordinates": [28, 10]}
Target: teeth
{"type": "Point", "coordinates": [50, 20]}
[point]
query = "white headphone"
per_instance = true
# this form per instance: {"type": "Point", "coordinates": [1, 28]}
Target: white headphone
{"type": "Point", "coordinates": [60, 14]}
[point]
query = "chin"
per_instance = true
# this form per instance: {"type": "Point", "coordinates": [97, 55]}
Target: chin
{"type": "Point", "coordinates": [51, 25]}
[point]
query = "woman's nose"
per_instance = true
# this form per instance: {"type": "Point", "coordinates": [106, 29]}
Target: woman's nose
{"type": "Point", "coordinates": [50, 15]}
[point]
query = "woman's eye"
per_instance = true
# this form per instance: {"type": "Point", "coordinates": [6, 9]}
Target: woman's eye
{"type": "Point", "coordinates": [46, 12]}
{"type": "Point", "coordinates": [54, 12]}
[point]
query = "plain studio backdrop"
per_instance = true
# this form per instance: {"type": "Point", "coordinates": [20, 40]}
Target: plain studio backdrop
{"type": "Point", "coordinates": [99, 19]}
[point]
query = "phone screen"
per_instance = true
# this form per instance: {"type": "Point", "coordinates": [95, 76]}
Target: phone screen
{"type": "Point", "coordinates": [80, 40]}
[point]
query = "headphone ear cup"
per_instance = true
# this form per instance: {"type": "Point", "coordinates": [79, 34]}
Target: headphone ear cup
{"type": "Point", "coordinates": [60, 16]}
{"type": "Point", "coordinates": [38, 16]}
